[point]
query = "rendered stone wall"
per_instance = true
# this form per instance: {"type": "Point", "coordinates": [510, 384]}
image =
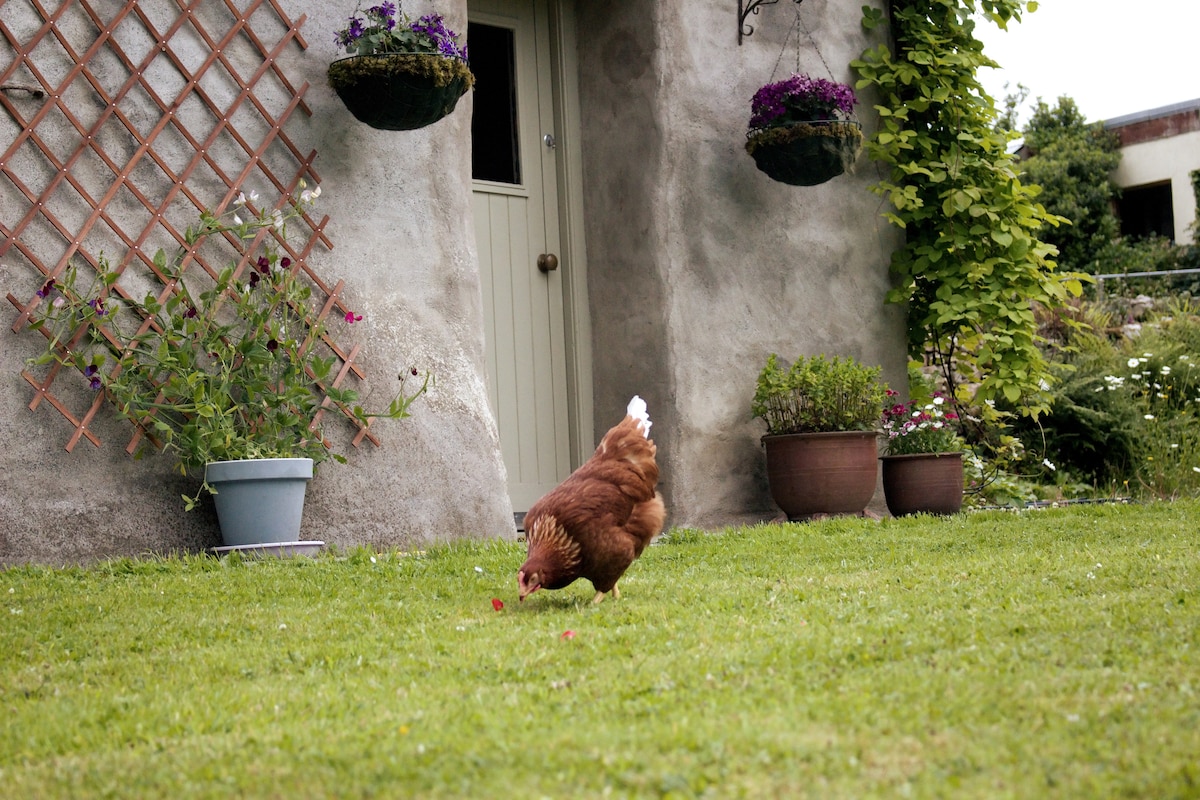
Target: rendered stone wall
{"type": "Point", "coordinates": [399, 206]}
{"type": "Point", "coordinates": [699, 264]}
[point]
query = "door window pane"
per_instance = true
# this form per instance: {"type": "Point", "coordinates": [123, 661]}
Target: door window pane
{"type": "Point", "coordinates": [495, 155]}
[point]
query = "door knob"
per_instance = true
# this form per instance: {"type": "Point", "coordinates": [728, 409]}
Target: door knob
{"type": "Point", "coordinates": [547, 262]}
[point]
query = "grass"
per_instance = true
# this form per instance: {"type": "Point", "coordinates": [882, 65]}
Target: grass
{"type": "Point", "coordinates": [995, 654]}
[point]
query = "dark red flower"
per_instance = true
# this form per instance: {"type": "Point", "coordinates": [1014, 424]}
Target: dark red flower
{"type": "Point", "coordinates": [568, 635]}
{"type": "Point", "coordinates": [264, 266]}
{"type": "Point", "coordinates": [497, 603]}
{"type": "Point", "coordinates": [285, 262]}
{"type": "Point", "coordinates": [272, 345]}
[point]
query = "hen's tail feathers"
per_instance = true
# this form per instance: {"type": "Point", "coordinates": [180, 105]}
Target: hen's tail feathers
{"type": "Point", "coordinates": [646, 521]}
{"type": "Point", "coordinates": [637, 410]}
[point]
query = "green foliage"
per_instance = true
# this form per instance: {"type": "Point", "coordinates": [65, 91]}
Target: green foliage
{"type": "Point", "coordinates": [1151, 254]}
{"type": "Point", "coordinates": [1071, 161]}
{"type": "Point", "coordinates": [1126, 416]}
{"type": "Point", "coordinates": [973, 261]}
{"type": "Point", "coordinates": [818, 395]}
{"type": "Point", "coordinates": [228, 371]}
{"type": "Point", "coordinates": [1047, 654]}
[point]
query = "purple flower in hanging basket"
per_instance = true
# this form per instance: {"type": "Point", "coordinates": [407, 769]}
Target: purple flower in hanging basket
{"type": "Point", "coordinates": [801, 98]}
{"type": "Point", "coordinates": [387, 29]}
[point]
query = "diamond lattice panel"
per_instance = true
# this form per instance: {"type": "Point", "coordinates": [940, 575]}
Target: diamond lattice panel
{"type": "Point", "coordinates": [123, 120]}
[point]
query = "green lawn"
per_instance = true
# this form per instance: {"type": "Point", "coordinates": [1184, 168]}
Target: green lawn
{"type": "Point", "coordinates": [1051, 653]}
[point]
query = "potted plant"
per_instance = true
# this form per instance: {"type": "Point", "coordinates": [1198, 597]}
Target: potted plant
{"type": "Point", "coordinates": [923, 461]}
{"type": "Point", "coordinates": [801, 130]}
{"type": "Point", "coordinates": [401, 75]}
{"type": "Point", "coordinates": [225, 371]}
{"type": "Point", "coordinates": [820, 444]}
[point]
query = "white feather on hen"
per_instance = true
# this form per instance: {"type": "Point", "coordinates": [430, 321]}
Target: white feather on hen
{"type": "Point", "coordinates": [637, 410]}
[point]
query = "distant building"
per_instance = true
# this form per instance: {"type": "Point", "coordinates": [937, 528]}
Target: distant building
{"type": "Point", "coordinates": [1160, 148]}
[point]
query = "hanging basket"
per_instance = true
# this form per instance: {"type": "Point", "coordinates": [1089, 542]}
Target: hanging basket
{"type": "Point", "coordinates": [805, 153]}
{"type": "Point", "coordinates": [400, 91]}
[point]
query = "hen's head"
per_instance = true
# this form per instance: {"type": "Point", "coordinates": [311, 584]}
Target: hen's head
{"type": "Point", "coordinates": [528, 582]}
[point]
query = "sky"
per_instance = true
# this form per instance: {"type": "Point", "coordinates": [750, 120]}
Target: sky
{"type": "Point", "coordinates": [1113, 57]}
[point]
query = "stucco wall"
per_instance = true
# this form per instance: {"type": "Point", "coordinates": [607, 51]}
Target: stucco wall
{"type": "Point", "coordinates": [699, 264]}
{"type": "Point", "coordinates": [399, 204]}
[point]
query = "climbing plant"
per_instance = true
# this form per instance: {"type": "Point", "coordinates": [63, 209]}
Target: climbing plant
{"type": "Point", "coordinates": [972, 265]}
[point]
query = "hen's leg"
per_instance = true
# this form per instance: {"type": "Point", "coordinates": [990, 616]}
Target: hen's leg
{"type": "Point", "coordinates": [616, 593]}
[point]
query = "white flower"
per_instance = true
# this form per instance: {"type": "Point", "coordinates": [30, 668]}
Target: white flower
{"type": "Point", "coordinates": [237, 220]}
{"type": "Point", "coordinates": [1195, 469]}
{"type": "Point", "coordinates": [1131, 363]}
{"type": "Point", "coordinates": [1046, 463]}
{"type": "Point", "coordinates": [277, 219]}
{"type": "Point", "coordinates": [1165, 370]}
{"type": "Point", "coordinates": [1045, 387]}
{"type": "Point", "coordinates": [1148, 416]}
{"type": "Point", "coordinates": [309, 195]}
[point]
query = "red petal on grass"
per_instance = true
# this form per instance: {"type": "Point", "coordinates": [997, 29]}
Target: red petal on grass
{"type": "Point", "coordinates": [568, 634]}
{"type": "Point", "coordinates": [497, 603]}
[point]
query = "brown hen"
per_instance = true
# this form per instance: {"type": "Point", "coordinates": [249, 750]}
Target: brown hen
{"type": "Point", "coordinates": [596, 522]}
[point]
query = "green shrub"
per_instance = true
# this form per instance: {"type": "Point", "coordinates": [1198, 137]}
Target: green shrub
{"type": "Point", "coordinates": [818, 395]}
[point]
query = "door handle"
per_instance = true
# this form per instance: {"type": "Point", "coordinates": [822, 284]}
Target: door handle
{"type": "Point", "coordinates": [547, 262]}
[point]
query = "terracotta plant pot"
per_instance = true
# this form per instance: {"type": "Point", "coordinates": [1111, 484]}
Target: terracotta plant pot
{"type": "Point", "coordinates": [923, 483]}
{"type": "Point", "coordinates": [814, 474]}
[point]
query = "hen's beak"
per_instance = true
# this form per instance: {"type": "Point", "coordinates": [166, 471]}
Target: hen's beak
{"type": "Point", "coordinates": [524, 588]}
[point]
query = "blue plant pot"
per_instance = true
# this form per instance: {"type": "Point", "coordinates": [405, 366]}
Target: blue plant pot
{"type": "Point", "coordinates": [259, 501]}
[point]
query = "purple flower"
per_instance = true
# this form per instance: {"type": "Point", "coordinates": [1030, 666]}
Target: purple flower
{"type": "Point", "coordinates": [264, 266]}
{"type": "Point", "coordinates": [97, 306]}
{"type": "Point", "coordinates": [253, 279]}
{"type": "Point", "coordinates": [46, 289]}
{"type": "Point", "coordinates": [801, 98]}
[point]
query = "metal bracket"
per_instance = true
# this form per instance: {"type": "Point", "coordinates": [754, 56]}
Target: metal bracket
{"type": "Point", "coordinates": [748, 7]}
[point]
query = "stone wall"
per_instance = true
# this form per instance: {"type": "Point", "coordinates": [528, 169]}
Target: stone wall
{"type": "Point", "coordinates": [399, 206]}
{"type": "Point", "coordinates": [700, 265]}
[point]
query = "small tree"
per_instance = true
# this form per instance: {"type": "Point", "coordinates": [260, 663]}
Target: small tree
{"type": "Point", "coordinates": [1072, 161]}
{"type": "Point", "coordinates": [974, 262]}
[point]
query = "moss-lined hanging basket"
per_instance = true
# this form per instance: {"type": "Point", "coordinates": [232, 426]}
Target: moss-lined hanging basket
{"type": "Point", "coordinates": [805, 153]}
{"type": "Point", "coordinates": [400, 91]}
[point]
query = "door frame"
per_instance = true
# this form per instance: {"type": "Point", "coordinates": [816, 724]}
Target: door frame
{"type": "Point", "coordinates": [569, 167]}
{"type": "Point", "coordinates": [559, 113]}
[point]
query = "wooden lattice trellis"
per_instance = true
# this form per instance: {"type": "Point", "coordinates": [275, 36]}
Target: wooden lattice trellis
{"type": "Point", "coordinates": [127, 119]}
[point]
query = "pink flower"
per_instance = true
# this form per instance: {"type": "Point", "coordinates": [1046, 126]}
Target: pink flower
{"type": "Point", "coordinates": [568, 635]}
{"type": "Point", "coordinates": [497, 603]}
{"type": "Point", "coordinates": [352, 318]}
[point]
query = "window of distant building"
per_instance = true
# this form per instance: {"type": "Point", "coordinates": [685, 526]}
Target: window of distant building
{"type": "Point", "coordinates": [1147, 211]}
